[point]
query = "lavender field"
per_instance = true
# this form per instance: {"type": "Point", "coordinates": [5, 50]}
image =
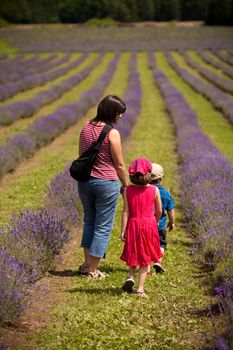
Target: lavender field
{"type": "Point", "coordinates": [178, 87]}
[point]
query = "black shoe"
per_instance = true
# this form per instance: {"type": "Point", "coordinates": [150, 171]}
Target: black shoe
{"type": "Point", "coordinates": [158, 268]}
{"type": "Point", "coordinates": [128, 285]}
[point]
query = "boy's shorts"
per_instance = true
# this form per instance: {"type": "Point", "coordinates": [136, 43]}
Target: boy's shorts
{"type": "Point", "coordinates": [163, 238]}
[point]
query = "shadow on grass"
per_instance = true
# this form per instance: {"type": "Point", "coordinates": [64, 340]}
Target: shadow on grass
{"type": "Point", "coordinates": [64, 273]}
{"type": "Point", "coordinates": [73, 273]}
{"type": "Point", "coordinates": [209, 311]}
{"type": "Point", "coordinates": [179, 242]}
{"type": "Point", "coordinates": [109, 290]}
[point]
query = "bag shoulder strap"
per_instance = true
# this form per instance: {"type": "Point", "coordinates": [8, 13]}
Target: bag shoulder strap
{"type": "Point", "coordinates": [103, 133]}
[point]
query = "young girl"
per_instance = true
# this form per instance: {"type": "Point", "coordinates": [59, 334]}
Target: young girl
{"type": "Point", "coordinates": [139, 229]}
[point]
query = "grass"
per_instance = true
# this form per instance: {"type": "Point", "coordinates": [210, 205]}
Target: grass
{"type": "Point", "coordinates": [211, 122]}
{"type": "Point", "coordinates": [97, 314]}
{"type": "Point", "coordinates": [7, 49]}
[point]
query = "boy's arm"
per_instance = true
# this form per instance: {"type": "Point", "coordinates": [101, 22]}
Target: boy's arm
{"type": "Point", "coordinates": [158, 205]}
{"type": "Point", "coordinates": [171, 222]}
{"type": "Point", "coordinates": [124, 218]}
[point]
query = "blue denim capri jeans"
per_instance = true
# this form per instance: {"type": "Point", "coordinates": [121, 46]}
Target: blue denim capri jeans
{"type": "Point", "coordinates": [99, 199]}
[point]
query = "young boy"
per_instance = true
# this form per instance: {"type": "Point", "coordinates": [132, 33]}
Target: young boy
{"type": "Point", "coordinates": [168, 206]}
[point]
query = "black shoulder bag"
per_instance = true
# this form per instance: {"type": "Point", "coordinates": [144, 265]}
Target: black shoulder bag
{"type": "Point", "coordinates": [80, 169]}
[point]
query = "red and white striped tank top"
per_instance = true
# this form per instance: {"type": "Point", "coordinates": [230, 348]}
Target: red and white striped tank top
{"type": "Point", "coordinates": [104, 167]}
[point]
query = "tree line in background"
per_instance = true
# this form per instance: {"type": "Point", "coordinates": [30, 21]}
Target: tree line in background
{"type": "Point", "coordinates": [212, 12]}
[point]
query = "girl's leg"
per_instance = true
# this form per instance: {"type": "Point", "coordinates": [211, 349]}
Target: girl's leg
{"type": "Point", "coordinates": [143, 271]}
{"type": "Point", "coordinates": [132, 270]}
{"type": "Point", "coordinates": [162, 251]}
{"type": "Point", "coordinates": [129, 283]}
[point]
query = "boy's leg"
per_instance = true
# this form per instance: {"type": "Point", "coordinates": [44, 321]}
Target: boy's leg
{"type": "Point", "coordinates": [163, 241]}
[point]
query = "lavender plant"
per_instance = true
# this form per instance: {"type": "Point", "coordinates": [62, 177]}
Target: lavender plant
{"type": "Point", "coordinates": [218, 64]}
{"type": "Point", "coordinates": [8, 90]}
{"type": "Point", "coordinates": [218, 98]}
{"type": "Point", "coordinates": [206, 186]}
{"type": "Point", "coordinates": [224, 84]}
{"type": "Point", "coordinates": [13, 290]}
{"type": "Point", "coordinates": [34, 238]}
{"type": "Point", "coordinates": [62, 198]}
{"type": "Point", "coordinates": [224, 56]}
{"type": "Point", "coordinates": [24, 109]}
{"type": "Point", "coordinates": [119, 38]}
{"type": "Point", "coordinates": [132, 99]}
{"type": "Point", "coordinates": [14, 70]}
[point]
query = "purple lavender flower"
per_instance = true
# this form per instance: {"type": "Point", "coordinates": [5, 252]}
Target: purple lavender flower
{"type": "Point", "coordinates": [13, 286]}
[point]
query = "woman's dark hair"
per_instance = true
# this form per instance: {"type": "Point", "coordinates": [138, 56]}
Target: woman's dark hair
{"type": "Point", "coordinates": [109, 108]}
{"type": "Point", "coordinates": [139, 179]}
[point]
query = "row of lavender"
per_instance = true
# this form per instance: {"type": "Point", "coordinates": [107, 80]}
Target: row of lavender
{"type": "Point", "coordinates": [225, 68]}
{"type": "Point", "coordinates": [222, 83]}
{"type": "Point", "coordinates": [225, 57]}
{"type": "Point", "coordinates": [19, 67]}
{"type": "Point", "coordinates": [45, 129]}
{"type": "Point", "coordinates": [31, 240]}
{"type": "Point", "coordinates": [26, 108]}
{"type": "Point", "coordinates": [207, 190]}
{"type": "Point", "coordinates": [10, 89]}
{"type": "Point", "coordinates": [217, 97]}
{"type": "Point", "coordinates": [81, 38]}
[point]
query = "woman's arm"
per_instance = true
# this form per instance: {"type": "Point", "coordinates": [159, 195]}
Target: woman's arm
{"type": "Point", "coordinates": [124, 218]}
{"type": "Point", "coordinates": [158, 204]}
{"type": "Point", "coordinates": [117, 156]}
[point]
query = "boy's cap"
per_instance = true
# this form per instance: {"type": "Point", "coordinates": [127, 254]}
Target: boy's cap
{"type": "Point", "coordinates": [140, 165]}
{"type": "Point", "coordinates": [157, 170]}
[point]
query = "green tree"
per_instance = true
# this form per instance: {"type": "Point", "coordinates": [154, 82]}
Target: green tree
{"type": "Point", "coordinates": [192, 10]}
{"type": "Point", "coordinates": [146, 10]}
{"type": "Point", "coordinates": [220, 12]}
{"type": "Point", "coordinates": [15, 11]}
{"type": "Point", "coordinates": [166, 10]}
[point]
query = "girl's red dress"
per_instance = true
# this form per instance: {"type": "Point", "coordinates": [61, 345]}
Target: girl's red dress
{"type": "Point", "coordinates": [142, 244]}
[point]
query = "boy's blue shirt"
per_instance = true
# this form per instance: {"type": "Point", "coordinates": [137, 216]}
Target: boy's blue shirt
{"type": "Point", "coordinates": [167, 204]}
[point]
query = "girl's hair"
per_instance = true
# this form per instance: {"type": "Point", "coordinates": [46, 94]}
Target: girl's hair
{"type": "Point", "coordinates": [109, 108]}
{"type": "Point", "coordinates": [139, 179]}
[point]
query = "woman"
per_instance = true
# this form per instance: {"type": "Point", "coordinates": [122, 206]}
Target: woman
{"type": "Point", "coordinates": [99, 194]}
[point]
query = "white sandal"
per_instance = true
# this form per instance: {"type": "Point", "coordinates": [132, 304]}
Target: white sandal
{"type": "Point", "coordinates": [97, 274]}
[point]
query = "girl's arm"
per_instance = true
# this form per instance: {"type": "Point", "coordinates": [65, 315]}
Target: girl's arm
{"type": "Point", "coordinates": [117, 156]}
{"type": "Point", "coordinates": [158, 204]}
{"type": "Point", "coordinates": [124, 218]}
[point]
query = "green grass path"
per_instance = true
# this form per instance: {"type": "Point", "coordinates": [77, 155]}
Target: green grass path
{"type": "Point", "coordinates": [97, 314]}
{"type": "Point", "coordinates": [211, 122]}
